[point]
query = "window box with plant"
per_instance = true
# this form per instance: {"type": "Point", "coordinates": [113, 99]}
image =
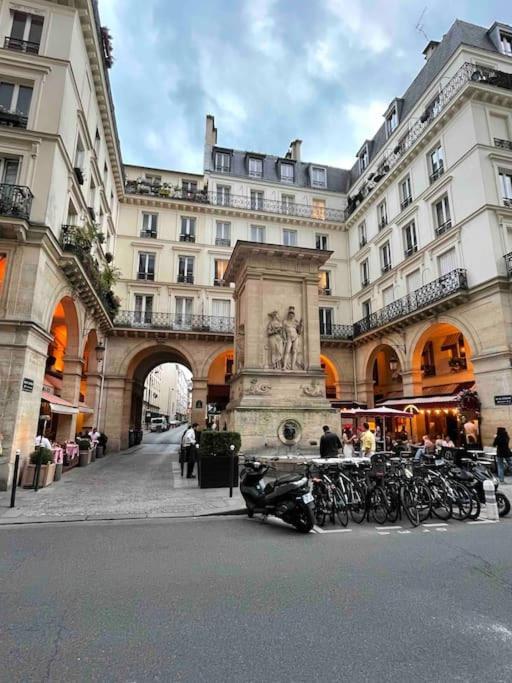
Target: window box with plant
{"type": "Point", "coordinates": [216, 456]}
{"type": "Point", "coordinates": [47, 471]}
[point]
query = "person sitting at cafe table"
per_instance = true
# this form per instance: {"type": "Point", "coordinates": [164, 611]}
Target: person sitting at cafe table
{"type": "Point", "coordinates": [427, 448]}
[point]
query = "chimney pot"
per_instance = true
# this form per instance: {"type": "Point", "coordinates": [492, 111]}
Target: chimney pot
{"type": "Point", "coordinates": [295, 149]}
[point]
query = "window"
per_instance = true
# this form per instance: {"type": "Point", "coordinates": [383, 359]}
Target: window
{"type": "Point", "coordinates": [257, 233]}
{"type": "Point", "coordinates": [183, 312]}
{"type": "Point", "coordinates": [256, 200]}
{"type": "Point", "coordinates": [326, 320]}
{"type": "Point", "coordinates": [392, 121]}
{"type": "Point", "coordinates": [385, 257]}
{"type": "Point", "coordinates": [318, 177]}
{"type": "Point", "coordinates": [287, 173]}
{"type": "Point", "coordinates": [405, 192]}
{"type": "Point", "coordinates": [221, 311]}
{"type": "Point", "coordinates": [365, 273]}
{"type": "Point", "coordinates": [366, 308]}
{"type": "Point", "coordinates": [363, 159]}
{"type": "Point", "coordinates": [290, 238]}
{"type": "Point", "coordinates": [410, 239]}
{"type": "Point", "coordinates": [506, 43]}
{"type": "Point", "coordinates": [186, 269]}
{"type": "Point", "coordinates": [189, 187]}
{"type": "Point", "coordinates": [97, 142]}
{"type": "Point", "coordinates": [255, 168]}
{"type": "Point", "coordinates": [14, 104]}
{"type": "Point", "coordinates": [146, 269]}
{"type": "Point", "coordinates": [143, 308]}
{"type": "Point", "coordinates": [220, 269]}
{"type": "Point", "coordinates": [149, 225]}
{"type": "Point", "coordinates": [361, 229]}
{"type": "Point", "coordinates": [447, 262]}
{"type": "Point", "coordinates": [288, 204]}
{"type": "Point", "coordinates": [388, 295]}
{"type": "Point", "coordinates": [26, 32]}
{"type": "Point", "coordinates": [318, 209]}
{"type": "Point", "coordinates": [153, 179]}
{"type": "Point", "coordinates": [223, 234]}
{"type": "Point", "coordinates": [506, 186]}
{"type": "Point", "coordinates": [79, 155]}
{"type": "Point", "coordinates": [324, 282]}
{"type": "Point", "coordinates": [382, 215]}
{"type": "Point", "coordinates": [9, 171]}
{"type": "Point", "coordinates": [222, 162]}
{"type": "Point", "coordinates": [188, 229]}
{"type": "Point", "coordinates": [442, 216]}
{"type": "Point", "coordinates": [413, 281]}
{"type": "Point", "coordinates": [436, 163]}
{"type": "Point", "coordinates": [322, 241]}
{"type": "Point", "coordinates": [223, 195]}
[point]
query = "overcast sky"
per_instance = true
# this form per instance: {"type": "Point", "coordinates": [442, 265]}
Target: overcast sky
{"type": "Point", "coordinates": [269, 71]}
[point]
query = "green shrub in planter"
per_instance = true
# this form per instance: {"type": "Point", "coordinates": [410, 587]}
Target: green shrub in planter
{"type": "Point", "coordinates": [46, 456]}
{"type": "Point", "coordinates": [83, 444]}
{"type": "Point", "coordinates": [218, 443]}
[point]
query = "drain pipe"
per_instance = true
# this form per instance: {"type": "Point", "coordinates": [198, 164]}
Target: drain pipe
{"type": "Point", "coordinates": [101, 418]}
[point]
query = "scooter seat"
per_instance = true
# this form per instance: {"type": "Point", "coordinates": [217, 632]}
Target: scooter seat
{"type": "Point", "coordinates": [288, 479]}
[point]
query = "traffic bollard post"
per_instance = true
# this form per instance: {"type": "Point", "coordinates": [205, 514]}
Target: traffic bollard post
{"type": "Point", "coordinates": [15, 478]}
{"type": "Point", "coordinates": [37, 470]}
{"type": "Point", "coordinates": [231, 465]}
{"type": "Point", "coordinates": [491, 506]}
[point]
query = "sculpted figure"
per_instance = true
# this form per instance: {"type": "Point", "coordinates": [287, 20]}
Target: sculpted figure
{"type": "Point", "coordinates": [292, 329]}
{"type": "Point", "coordinates": [275, 340]}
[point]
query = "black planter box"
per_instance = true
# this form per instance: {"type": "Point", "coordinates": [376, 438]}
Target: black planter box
{"type": "Point", "coordinates": [214, 471]}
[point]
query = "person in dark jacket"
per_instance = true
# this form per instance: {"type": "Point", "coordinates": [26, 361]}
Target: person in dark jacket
{"type": "Point", "coordinates": [503, 454]}
{"type": "Point", "coordinates": [329, 443]}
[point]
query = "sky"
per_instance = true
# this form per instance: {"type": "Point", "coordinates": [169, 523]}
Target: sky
{"type": "Point", "coordinates": [270, 71]}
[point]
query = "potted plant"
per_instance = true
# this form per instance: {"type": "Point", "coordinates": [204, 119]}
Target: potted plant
{"type": "Point", "coordinates": [47, 471]}
{"type": "Point", "coordinates": [216, 456]}
{"type": "Point", "coordinates": [84, 451]}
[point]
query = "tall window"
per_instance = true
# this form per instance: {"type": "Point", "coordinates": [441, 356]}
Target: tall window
{"type": "Point", "coordinates": [410, 239]}
{"type": "Point", "coordinates": [318, 177]}
{"type": "Point", "coordinates": [255, 168]}
{"type": "Point", "coordinates": [388, 295]}
{"type": "Point", "coordinates": [183, 312]}
{"type": "Point", "coordinates": [442, 215]}
{"type": "Point", "coordinates": [223, 195]}
{"type": "Point", "coordinates": [79, 154]}
{"type": "Point", "coordinates": [447, 262]}
{"type": "Point", "coordinates": [506, 43]}
{"type": "Point", "coordinates": [223, 234]}
{"type": "Point", "coordinates": [153, 179]}
{"type": "Point", "coordinates": [257, 233]}
{"type": "Point", "coordinates": [221, 311]}
{"type": "Point", "coordinates": [361, 229]}
{"type": "Point", "coordinates": [256, 200]}
{"type": "Point", "coordinates": [326, 320]}
{"type": "Point", "coordinates": [385, 257]}
{"type": "Point", "coordinates": [26, 32]}
{"type": "Point", "coordinates": [366, 308]}
{"type": "Point", "coordinates": [363, 159]}
{"type": "Point", "coordinates": [222, 162]}
{"type": "Point", "coordinates": [365, 273]}
{"type": "Point", "coordinates": [146, 269]}
{"type": "Point", "coordinates": [413, 281]}
{"type": "Point", "coordinates": [220, 269]}
{"type": "Point", "coordinates": [9, 170]}
{"type": "Point", "coordinates": [322, 241]}
{"type": "Point", "coordinates": [290, 238]}
{"type": "Point", "coordinates": [15, 100]}
{"type": "Point", "coordinates": [324, 282]}
{"type": "Point", "coordinates": [382, 214]}
{"type": "Point", "coordinates": [392, 121]}
{"type": "Point", "coordinates": [189, 187]}
{"type": "Point", "coordinates": [143, 308]}
{"type": "Point", "coordinates": [436, 163]}
{"type": "Point", "coordinates": [506, 186]}
{"type": "Point", "coordinates": [288, 204]}
{"type": "Point", "coordinates": [188, 229]}
{"type": "Point", "coordinates": [287, 173]}
{"type": "Point", "coordinates": [318, 209]}
{"type": "Point", "coordinates": [149, 225]}
{"type": "Point", "coordinates": [405, 192]}
{"type": "Point", "coordinates": [186, 269]}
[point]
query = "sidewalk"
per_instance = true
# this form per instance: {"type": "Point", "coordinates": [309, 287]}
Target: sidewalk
{"type": "Point", "coordinates": [141, 482]}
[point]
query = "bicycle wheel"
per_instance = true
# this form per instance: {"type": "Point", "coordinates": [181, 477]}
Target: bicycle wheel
{"type": "Point", "coordinates": [475, 505]}
{"type": "Point", "coordinates": [341, 510]}
{"type": "Point", "coordinates": [379, 505]}
{"type": "Point", "coordinates": [410, 504]}
{"type": "Point", "coordinates": [424, 500]}
{"type": "Point", "coordinates": [393, 504]}
{"type": "Point", "coordinates": [461, 501]}
{"type": "Point", "coordinates": [441, 504]}
{"type": "Point", "coordinates": [320, 505]}
{"type": "Point", "coordinates": [503, 504]}
{"type": "Point", "coordinates": [357, 504]}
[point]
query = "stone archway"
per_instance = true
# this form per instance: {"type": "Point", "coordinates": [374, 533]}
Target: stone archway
{"type": "Point", "coordinates": [219, 376]}
{"type": "Point", "coordinates": [332, 379]}
{"type": "Point", "coordinates": [383, 372]}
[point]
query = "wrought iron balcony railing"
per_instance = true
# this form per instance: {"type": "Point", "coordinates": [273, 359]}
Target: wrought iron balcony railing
{"type": "Point", "coordinates": [503, 144]}
{"type": "Point", "coordinates": [508, 263]}
{"type": "Point", "coordinates": [12, 119]}
{"type": "Point", "coordinates": [15, 201]}
{"type": "Point", "coordinates": [176, 322]}
{"type": "Point", "coordinates": [336, 332]}
{"type": "Point", "coordinates": [443, 227]}
{"type": "Point", "coordinates": [468, 72]}
{"type": "Point", "coordinates": [187, 237]}
{"type": "Point", "coordinates": [186, 279]}
{"type": "Point", "coordinates": [222, 242]}
{"type": "Point", "coordinates": [235, 201]}
{"type": "Point", "coordinates": [437, 173]}
{"type": "Point", "coordinates": [405, 202]}
{"type": "Point", "coordinates": [445, 286]}
{"type": "Point", "coordinates": [410, 251]}
{"type": "Point", "coordinates": [21, 45]}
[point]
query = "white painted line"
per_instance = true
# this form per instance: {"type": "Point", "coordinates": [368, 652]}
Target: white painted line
{"type": "Point", "coordinates": [404, 532]}
{"type": "Point", "coordinates": [441, 529]}
{"type": "Point", "coordinates": [485, 521]}
{"type": "Point", "coordinates": [436, 524]}
{"type": "Point", "coordinates": [384, 533]}
{"type": "Point", "coordinates": [384, 528]}
{"type": "Point", "coordinates": [426, 531]}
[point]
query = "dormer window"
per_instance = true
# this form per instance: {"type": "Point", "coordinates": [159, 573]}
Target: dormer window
{"type": "Point", "coordinates": [222, 162]}
{"type": "Point", "coordinates": [506, 43]}
{"type": "Point", "coordinates": [364, 158]}
{"type": "Point", "coordinates": [255, 167]}
{"type": "Point", "coordinates": [318, 177]}
{"type": "Point", "coordinates": [391, 121]}
{"type": "Point", "coordinates": [287, 173]}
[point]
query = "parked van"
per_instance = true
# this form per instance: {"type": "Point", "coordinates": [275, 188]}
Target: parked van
{"type": "Point", "coordinates": [159, 424]}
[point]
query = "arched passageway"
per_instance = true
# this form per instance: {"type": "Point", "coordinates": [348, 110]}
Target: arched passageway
{"type": "Point", "coordinates": [384, 371]}
{"type": "Point", "coordinates": [219, 377]}
{"type": "Point", "coordinates": [332, 380]}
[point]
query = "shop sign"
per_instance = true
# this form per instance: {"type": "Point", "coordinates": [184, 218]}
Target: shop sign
{"type": "Point", "coordinates": [504, 400]}
{"type": "Point", "coordinates": [27, 385]}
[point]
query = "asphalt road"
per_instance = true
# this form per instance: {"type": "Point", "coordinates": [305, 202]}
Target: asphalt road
{"type": "Point", "coordinates": [236, 600]}
{"type": "Point", "coordinates": [171, 436]}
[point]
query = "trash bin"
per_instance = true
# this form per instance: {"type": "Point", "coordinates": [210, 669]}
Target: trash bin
{"type": "Point", "coordinates": [131, 438]}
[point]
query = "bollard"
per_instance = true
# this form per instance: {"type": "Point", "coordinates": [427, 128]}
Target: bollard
{"type": "Point", "coordinates": [231, 465]}
{"type": "Point", "coordinates": [15, 478]}
{"type": "Point", "coordinates": [491, 507]}
{"type": "Point", "coordinates": [37, 470]}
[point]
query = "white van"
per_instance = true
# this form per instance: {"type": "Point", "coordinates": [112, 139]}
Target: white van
{"type": "Point", "coordinates": [158, 424]}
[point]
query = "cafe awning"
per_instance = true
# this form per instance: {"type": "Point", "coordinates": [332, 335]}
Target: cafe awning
{"type": "Point", "coordinates": [84, 408]}
{"type": "Point", "coordinates": [59, 405]}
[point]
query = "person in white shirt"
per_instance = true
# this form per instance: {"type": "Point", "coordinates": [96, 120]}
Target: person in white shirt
{"type": "Point", "coordinates": [94, 435]}
{"type": "Point", "coordinates": [43, 441]}
{"type": "Point", "coordinates": [189, 443]}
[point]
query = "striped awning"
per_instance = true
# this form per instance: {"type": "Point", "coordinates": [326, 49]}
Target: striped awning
{"type": "Point", "coordinates": [59, 405]}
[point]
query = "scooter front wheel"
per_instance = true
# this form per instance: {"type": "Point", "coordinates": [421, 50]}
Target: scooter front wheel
{"type": "Point", "coordinates": [304, 519]}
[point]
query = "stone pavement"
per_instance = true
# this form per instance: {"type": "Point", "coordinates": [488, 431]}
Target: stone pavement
{"type": "Point", "coordinates": [141, 482]}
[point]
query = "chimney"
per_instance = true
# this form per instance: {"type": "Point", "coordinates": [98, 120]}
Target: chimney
{"type": "Point", "coordinates": [210, 139]}
{"type": "Point", "coordinates": [428, 51]}
{"type": "Point", "coordinates": [295, 149]}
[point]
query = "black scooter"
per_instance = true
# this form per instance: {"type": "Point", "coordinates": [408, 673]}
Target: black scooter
{"type": "Point", "coordinates": [473, 474]}
{"type": "Point", "coordinates": [288, 497]}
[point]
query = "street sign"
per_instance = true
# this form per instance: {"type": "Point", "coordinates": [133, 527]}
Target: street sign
{"type": "Point", "coordinates": [504, 400]}
{"type": "Point", "coordinates": [27, 385]}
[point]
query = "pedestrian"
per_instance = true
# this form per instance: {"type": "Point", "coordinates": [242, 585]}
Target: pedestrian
{"type": "Point", "coordinates": [94, 436]}
{"type": "Point", "coordinates": [348, 443]}
{"type": "Point", "coordinates": [329, 443]}
{"type": "Point", "coordinates": [189, 442]}
{"type": "Point", "coordinates": [43, 442]}
{"type": "Point", "coordinates": [183, 453]}
{"type": "Point", "coordinates": [503, 454]}
{"type": "Point", "coordinates": [368, 444]}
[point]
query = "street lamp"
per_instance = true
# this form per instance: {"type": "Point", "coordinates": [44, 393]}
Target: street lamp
{"type": "Point", "coordinates": [100, 352]}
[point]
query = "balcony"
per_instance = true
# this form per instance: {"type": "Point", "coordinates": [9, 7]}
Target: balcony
{"type": "Point", "coordinates": [382, 223]}
{"type": "Point", "coordinates": [15, 201]}
{"type": "Point", "coordinates": [185, 237]}
{"type": "Point", "coordinates": [444, 227]}
{"type": "Point", "coordinates": [508, 263]}
{"type": "Point", "coordinates": [21, 45]}
{"type": "Point", "coordinates": [222, 242]}
{"type": "Point", "coordinates": [405, 202]}
{"type": "Point", "coordinates": [219, 282]}
{"type": "Point", "coordinates": [428, 370]}
{"type": "Point", "coordinates": [149, 234]}
{"type": "Point", "coordinates": [365, 283]}
{"type": "Point", "coordinates": [423, 299]}
{"type": "Point", "coordinates": [503, 144]}
{"type": "Point", "coordinates": [410, 251]}
{"type": "Point", "coordinates": [386, 268]}
{"type": "Point", "coordinates": [507, 201]}
{"type": "Point", "coordinates": [12, 119]}
{"type": "Point", "coordinates": [145, 276]}
{"type": "Point", "coordinates": [231, 201]}
{"type": "Point", "coordinates": [362, 242]}
{"type": "Point", "coordinates": [175, 322]}
{"type": "Point", "coordinates": [324, 291]}
{"type": "Point", "coordinates": [331, 332]}
{"type": "Point", "coordinates": [437, 173]}
{"type": "Point", "coordinates": [186, 279]}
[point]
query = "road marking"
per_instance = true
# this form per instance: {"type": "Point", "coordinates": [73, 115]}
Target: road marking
{"type": "Point", "coordinates": [436, 524]}
{"type": "Point", "coordinates": [318, 530]}
{"type": "Point", "coordinates": [485, 521]}
{"type": "Point", "coordinates": [441, 529]}
{"type": "Point", "coordinates": [384, 528]}
{"type": "Point", "coordinates": [426, 531]}
{"type": "Point", "coordinates": [384, 533]}
{"type": "Point", "coordinates": [404, 532]}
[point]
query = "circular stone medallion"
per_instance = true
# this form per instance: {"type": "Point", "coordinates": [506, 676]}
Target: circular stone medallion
{"type": "Point", "coordinates": [289, 432]}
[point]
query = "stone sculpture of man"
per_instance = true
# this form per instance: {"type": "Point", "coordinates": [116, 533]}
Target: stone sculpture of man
{"type": "Point", "coordinates": [292, 329]}
{"type": "Point", "coordinates": [275, 340]}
